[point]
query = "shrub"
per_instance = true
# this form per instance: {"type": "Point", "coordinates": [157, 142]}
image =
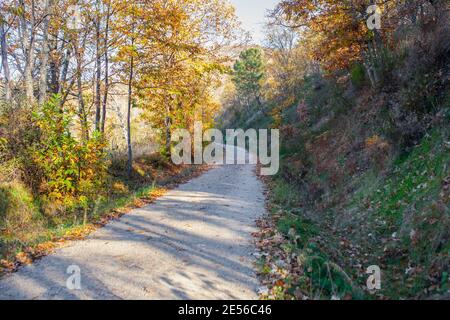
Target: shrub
{"type": "Point", "coordinates": [358, 75]}
{"type": "Point", "coordinates": [74, 171]}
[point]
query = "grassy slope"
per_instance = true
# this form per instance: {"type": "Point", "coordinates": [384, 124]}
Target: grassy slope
{"type": "Point", "coordinates": [351, 206]}
{"type": "Point", "coordinates": [409, 211]}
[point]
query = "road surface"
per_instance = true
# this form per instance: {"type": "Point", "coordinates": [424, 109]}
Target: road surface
{"type": "Point", "coordinates": [193, 243]}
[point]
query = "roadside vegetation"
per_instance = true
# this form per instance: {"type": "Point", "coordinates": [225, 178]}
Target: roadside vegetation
{"type": "Point", "coordinates": [365, 150]}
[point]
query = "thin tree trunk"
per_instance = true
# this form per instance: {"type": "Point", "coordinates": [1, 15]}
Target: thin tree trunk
{"type": "Point", "coordinates": [105, 96]}
{"type": "Point", "coordinates": [259, 102]}
{"type": "Point", "coordinates": [81, 104]}
{"type": "Point", "coordinates": [54, 66]}
{"type": "Point", "coordinates": [28, 37]}
{"type": "Point", "coordinates": [168, 124]}
{"type": "Point", "coordinates": [98, 72]}
{"type": "Point", "coordinates": [130, 97]}
{"type": "Point", "coordinates": [5, 64]}
{"type": "Point", "coordinates": [44, 54]}
{"type": "Point", "coordinates": [65, 70]}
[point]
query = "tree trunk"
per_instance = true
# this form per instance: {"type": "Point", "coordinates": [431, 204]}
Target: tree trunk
{"type": "Point", "coordinates": [44, 54]}
{"type": "Point", "coordinates": [168, 124]}
{"type": "Point", "coordinates": [5, 64]}
{"type": "Point", "coordinates": [81, 104]}
{"type": "Point", "coordinates": [28, 37]}
{"type": "Point", "coordinates": [54, 66]}
{"type": "Point", "coordinates": [105, 96]}
{"type": "Point", "coordinates": [259, 102]}
{"type": "Point", "coordinates": [98, 72]}
{"type": "Point", "coordinates": [130, 101]}
{"type": "Point", "coordinates": [65, 70]}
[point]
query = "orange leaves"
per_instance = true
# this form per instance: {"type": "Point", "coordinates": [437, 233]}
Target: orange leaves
{"type": "Point", "coordinates": [337, 30]}
{"type": "Point", "coordinates": [23, 258]}
{"type": "Point", "coordinates": [7, 265]}
{"type": "Point", "coordinates": [177, 57]}
{"type": "Point", "coordinates": [78, 233]}
{"type": "Point", "coordinates": [27, 256]}
{"type": "Point", "coordinates": [158, 192]}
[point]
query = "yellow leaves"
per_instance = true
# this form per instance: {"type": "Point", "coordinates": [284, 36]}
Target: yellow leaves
{"type": "Point", "coordinates": [55, 195]}
{"type": "Point", "coordinates": [43, 249]}
{"type": "Point", "coordinates": [79, 232]}
{"type": "Point", "coordinates": [119, 187]}
{"type": "Point", "coordinates": [6, 264]}
{"type": "Point", "coordinates": [374, 140]}
{"type": "Point", "coordinates": [23, 258]}
{"type": "Point", "coordinates": [158, 192]}
{"type": "Point", "coordinates": [175, 60]}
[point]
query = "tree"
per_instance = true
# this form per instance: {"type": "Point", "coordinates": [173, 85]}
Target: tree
{"type": "Point", "coordinates": [45, 51]}
{"type": "Point", "coordinates": [27, 23]}
{"type": "Point", "coordinates": [178, 55]}
{"type": "Point", "coordinates": [106, 58]}
{"type": "Point", "coordinates": [4, 56]}
{"type": "Point", "coordinates": [248, 73]}
{"type": "Point", "coordinates": [287, 64]}
{"type": "Point", "coordinates": [165, 56]}
{"type": "Point", "coordinates": [336, 29]}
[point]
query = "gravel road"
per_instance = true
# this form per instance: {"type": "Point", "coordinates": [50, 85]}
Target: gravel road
{"type": "Point", "coordinates": [193, 243]}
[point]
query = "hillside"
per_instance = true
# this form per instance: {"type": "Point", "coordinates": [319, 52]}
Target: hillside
{"type": "Point", "coordinates": [358, 186]}
{"type": "Point", "coordinates": [365, 157]}
{"type": "Point", "coordinates": [356, 198]}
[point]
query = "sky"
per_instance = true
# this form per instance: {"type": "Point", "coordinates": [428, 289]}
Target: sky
{"type": "Point", "coordinates": [252, 14]}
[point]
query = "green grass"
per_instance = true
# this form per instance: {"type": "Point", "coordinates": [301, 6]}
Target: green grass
{"type": "Point", "coordinates": [303, 227]}
{"type": "Point", "coordinates": [34, 228]}
{"type": "Point", "coordinates": [322, 278]}
{"type": "Point", "coordinates": [416, 179]}
{"type": "Point", "coordinates": [285, 194]}
{"type": "Point", "coordinates": [408, 199]}
{"type": "Point", "coordinates": [358, 75]}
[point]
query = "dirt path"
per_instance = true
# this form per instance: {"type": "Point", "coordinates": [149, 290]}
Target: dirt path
{"type": "Point", "coordinates": [193, 243]}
